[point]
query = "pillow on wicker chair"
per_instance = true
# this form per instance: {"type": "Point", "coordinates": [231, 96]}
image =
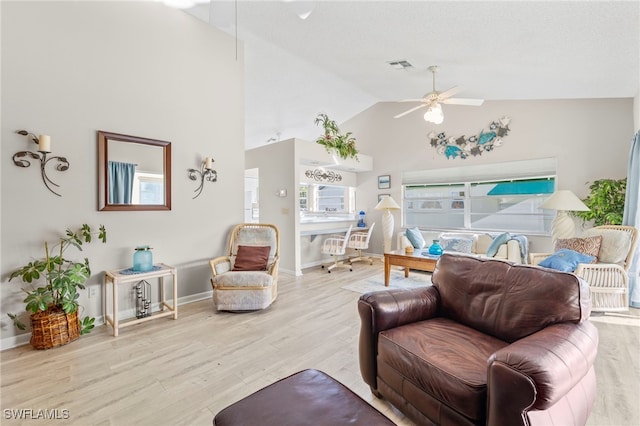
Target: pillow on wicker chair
{"type": "Point", "coordinates": [615, 245]}
{"type": "Point", "coordinates": [566, 260]}
{"type": "Point", "coordinates": [589, 245]}
{"type": "Point", "coordinates": [252, 258]}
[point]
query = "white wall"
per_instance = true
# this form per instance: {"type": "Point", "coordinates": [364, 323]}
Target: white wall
{"type": "Point", "coordinates": [636, 111]}
{"type": "Point", "coordinates": [590, 139]}
{"type": "Point", "coordinates": [276, 170]}
{"type": "Point", "coordinates": [138, 68]}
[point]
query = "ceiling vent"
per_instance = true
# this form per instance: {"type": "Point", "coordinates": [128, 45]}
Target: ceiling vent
{"type": "Point", "coordinates": [400, 65]}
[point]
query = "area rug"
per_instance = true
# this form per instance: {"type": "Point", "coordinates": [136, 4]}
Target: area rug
{"type": "Point", "coordinates": [396, 280]}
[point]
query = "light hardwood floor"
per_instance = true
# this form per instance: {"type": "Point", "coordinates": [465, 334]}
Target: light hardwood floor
{"type": "Point", "coordinates": [183, 372]}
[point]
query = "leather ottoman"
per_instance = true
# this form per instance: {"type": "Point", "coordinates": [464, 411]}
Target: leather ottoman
{"type": "Point", "coordinates": [309, 397]}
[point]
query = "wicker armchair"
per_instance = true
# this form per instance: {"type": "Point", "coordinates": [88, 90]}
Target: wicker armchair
{"type": "Point", "coordinates": [608, 282]}
{"type": "Point", "coordinates": [239, 287]}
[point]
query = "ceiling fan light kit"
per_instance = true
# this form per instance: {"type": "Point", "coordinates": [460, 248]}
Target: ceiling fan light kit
{"type": "Point", "coordinates": [433, 99]}
{"type": "Point", "coordinates": [434, 114]}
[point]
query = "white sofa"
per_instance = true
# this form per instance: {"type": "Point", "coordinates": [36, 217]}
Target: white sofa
{"type": "Point", "coordinates": [480, 242]}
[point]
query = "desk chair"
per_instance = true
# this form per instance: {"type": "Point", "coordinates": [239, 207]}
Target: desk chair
{"type": "Point", "coordinates": [360, 241]}
{"type": "Point", "coordinates": [336, 246]}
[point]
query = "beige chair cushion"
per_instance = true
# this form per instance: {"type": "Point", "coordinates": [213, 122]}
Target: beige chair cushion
{"type": "Point", "coordinates": [614, 247]}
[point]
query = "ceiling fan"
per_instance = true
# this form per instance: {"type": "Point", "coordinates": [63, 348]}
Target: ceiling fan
{"type": "Point", "coordinates": [433, 99]}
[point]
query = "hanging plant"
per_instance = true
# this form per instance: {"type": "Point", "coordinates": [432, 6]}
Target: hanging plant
{"type": "Point", "coordinates": [333, 140]}
{"type": "Point", "coordinates": [475, 145]}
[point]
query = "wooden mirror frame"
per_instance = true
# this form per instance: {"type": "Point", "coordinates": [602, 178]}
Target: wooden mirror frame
{"type": "Point", "coordinates": [103, 160]}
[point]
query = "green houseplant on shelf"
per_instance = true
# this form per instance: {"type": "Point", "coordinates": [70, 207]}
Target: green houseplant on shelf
{"type": "Point", "coordinates": [52, 291]}
{"type": "Point", "coordinates": [605, 202]}
{"type": "Point", "coordinates": [343, 145]}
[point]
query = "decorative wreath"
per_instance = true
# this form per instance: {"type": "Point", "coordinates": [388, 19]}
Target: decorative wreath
{"type": "Point", "coordinates": [474, 145]}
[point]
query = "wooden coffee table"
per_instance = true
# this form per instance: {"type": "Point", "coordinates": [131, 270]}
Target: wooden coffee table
{"type": "Point", "coordinates": [415, 260]}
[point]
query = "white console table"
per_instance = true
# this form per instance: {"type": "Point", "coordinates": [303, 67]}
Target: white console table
{"type": "Point", "coordinates": [116, 277]}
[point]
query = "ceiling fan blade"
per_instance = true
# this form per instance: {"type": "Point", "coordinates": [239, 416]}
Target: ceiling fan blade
{"type": "Point", "coordinates": [402, 114]}
{"type": "Point", "coordinates": [415, 100]}
{"type": "Point", "coordinates": [463, 101]}
{"type": "Point", "coordinates": [450, 92]}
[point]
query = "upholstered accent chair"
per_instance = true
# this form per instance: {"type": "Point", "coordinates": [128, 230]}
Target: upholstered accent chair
{"type": "Point", "coordinates": [359, 241]}
{"type": "Point", "coordinates": [608, 277]}
{"type": "Point", "coordinates": [491, 342]}
{"type": "Point", "coordinates": [246, 278]}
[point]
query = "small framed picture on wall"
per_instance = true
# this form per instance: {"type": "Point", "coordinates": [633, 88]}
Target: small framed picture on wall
{"type": "Point", "coordinates": [384, 182]}
{"type": "Point", "coordinates": [381, 196]}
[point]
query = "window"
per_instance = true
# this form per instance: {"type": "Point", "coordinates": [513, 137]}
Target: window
{"type": "Point", "coordinates": [148, 188]}
{"type": "Point", "coordinates": [433, 206]}
{"type": "Point", "coordinates": [326, 198]}
{"type": "Point", "coordinates": [304, 198]}
{"type": "Point", "coordinates": [489, 197]}
{"type": "Point", "coordinates": [494, 205]}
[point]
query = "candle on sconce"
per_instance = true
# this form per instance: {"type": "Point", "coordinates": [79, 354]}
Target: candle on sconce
{"type": "Point", "coordinates": [208, 163]}
{"type": "Point", "coordinates": [44, 143]}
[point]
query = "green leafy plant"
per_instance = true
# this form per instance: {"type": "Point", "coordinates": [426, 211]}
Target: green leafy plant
{"type": "Point", "coordinates": [343, 145]}
{"type": "Point", "coordinates": [60, 278]}
{"type": "Point", "coordinates": [605, 202]}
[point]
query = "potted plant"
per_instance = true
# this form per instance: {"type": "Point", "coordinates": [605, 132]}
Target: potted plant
{"type": "Point", "coordinates": [343, 145]}
{"type": "Point", "coordinates": [53, 305]}
{"type": "Point", "coordinates": [605, 202]}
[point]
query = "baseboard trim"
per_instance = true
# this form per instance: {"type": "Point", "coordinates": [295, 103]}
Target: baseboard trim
{"type": "Point", "coordinates": [23, 339]}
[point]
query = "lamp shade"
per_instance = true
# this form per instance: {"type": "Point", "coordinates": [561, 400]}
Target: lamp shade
{"type": "Point", "coordinates": [564, 200]}
{"type": "Point", "coordinates": [387, 203]}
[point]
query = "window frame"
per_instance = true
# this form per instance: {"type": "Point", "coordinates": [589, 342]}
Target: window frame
{"type": "Point", "coordinates": [468, 224]}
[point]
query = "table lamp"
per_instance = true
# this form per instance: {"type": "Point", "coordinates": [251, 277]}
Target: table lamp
{"type": "Point", "coordinates": [387, 204]}
{"type": "Point", "coordinates": [563, 201]}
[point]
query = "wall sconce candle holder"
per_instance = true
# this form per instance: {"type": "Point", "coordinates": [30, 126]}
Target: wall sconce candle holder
{"type": "Point", "coordinates": [44, 148]}
{"type": "Point", "coordinates": [206, 173]}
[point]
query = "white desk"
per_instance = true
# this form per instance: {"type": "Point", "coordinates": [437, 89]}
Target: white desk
{"type": "Point", "coordinates": [313, 233]}
{"type": "Point", "coordinates": [116, 278]}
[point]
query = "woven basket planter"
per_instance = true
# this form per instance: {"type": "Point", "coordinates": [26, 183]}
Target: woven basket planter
{"type": "Point", "coordinates": [54, 328]}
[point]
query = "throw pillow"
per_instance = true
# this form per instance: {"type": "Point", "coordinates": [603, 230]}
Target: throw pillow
{"type": "Point", "coordinates": [615, 245]}
{"type": "Point", "coordinates": [461, 245]}
{"type": "Point", "coordinates": [566, 260]}
{"type": "Point", "coordinates": [589, 246]}
{"type": "Point", "coordinates": [252, 258]}
{"type": "Point", "coordinates": [415, 236]}
{"type": "Point", "coordinates": [497, 242]}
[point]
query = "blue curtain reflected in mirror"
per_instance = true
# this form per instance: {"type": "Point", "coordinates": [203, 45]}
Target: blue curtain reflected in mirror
{"type": "Point", "coordinates": [121, 176]}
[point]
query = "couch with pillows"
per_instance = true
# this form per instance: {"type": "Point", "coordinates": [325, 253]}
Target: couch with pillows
{"type": "Point", "coordinates": [499, 246]}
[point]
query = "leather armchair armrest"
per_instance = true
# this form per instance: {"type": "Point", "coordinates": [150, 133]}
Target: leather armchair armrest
{"type": "Point", "coordinates": [383, 310]}
{"type": "Point", "coordinates": [538, 370]}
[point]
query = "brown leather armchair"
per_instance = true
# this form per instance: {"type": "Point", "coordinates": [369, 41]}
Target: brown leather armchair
{"type": "Point", "coordinates": [491, 342]}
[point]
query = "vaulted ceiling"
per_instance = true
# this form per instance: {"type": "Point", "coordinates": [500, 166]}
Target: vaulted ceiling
{"type": "Point", "coordinates": [337, 59]}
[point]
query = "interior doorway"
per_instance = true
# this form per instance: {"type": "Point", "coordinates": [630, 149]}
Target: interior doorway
{"type": "Point", "coordinates": [251, 198]}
